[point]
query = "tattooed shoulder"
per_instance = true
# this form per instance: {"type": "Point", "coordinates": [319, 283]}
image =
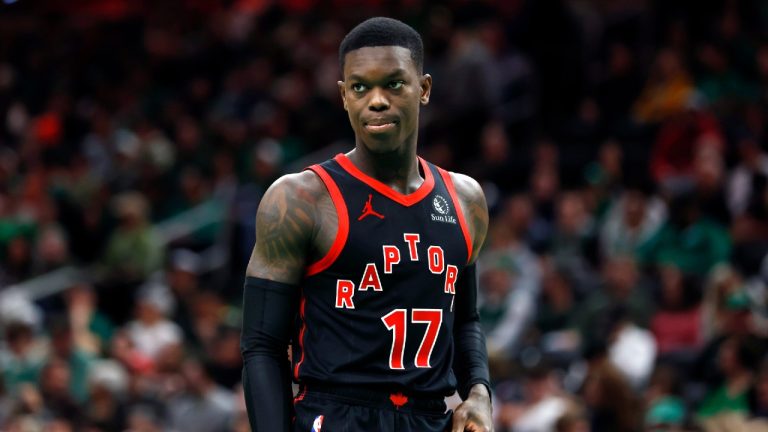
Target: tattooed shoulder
{"type": "Point", "coordinates": [285, 225]}
{"type": "Point", "coordinates": [475, 209]}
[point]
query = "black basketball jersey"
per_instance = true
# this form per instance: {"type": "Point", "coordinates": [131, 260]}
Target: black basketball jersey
{"type": "Point", "coordinates": [377, 310]}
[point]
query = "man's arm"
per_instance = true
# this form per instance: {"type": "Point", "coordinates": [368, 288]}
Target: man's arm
{"type": "Point", "coordinates": [285, 226]}
{"type": "Point", "coordinates": [471, 356]}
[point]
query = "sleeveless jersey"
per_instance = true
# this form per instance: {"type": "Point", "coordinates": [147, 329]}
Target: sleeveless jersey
{"type": "Point", "coordinates": [377, 310]}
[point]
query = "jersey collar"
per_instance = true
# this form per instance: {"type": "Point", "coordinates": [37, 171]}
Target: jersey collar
{"type": "Point", "coordinates": [407, 200]}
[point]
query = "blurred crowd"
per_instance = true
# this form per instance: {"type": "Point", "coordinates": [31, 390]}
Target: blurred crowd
{"type": "Point", "coordinates": [621, 145]}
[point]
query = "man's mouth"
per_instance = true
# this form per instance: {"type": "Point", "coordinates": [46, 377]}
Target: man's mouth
{"type": "Point", "coordinates": [380, 125]}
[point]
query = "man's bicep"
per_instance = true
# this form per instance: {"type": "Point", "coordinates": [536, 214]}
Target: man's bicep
{"type": "Point", "coordinates": [284, 226]}
{"type": "Point", "coordinates": [475, 210]}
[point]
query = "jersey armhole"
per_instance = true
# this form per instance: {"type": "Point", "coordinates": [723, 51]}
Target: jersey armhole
{"type": "Point", "coordinates": [459, 212]}
{"type": "Point", "coordinates": [343, 223]}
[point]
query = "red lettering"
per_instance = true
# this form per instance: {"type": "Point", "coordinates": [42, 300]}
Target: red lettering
{"type": "Point", "coordinates": [412, 239]}
{"type": "Point", "coordinates": [370, 278]}
{"type": "Point", "coordinates": [391, 257]}
{"type": "Point", "coordinates": [436, 260]}
{"type": "Point", "coordinates": [345, 290]}
{"type": "Point", "coordinates": [451, 274]}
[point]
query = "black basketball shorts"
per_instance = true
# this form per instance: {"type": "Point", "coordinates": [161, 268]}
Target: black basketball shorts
{"type": "Point", "coordinates": [356, 410]}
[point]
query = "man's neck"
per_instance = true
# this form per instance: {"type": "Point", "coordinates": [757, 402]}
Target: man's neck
{"type": "Point", "coordinates": [398, 170]}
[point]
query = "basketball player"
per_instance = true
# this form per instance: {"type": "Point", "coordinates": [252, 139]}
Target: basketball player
{"type": "Point", "coordinates": [366, 262]}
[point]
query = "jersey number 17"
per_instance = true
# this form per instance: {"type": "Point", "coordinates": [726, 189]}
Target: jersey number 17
{"type": "Point", "coordinates": [397, 322]}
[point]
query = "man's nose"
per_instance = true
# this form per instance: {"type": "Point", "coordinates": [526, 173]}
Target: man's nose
{"type": "Point", "coordinates": [378, 101]}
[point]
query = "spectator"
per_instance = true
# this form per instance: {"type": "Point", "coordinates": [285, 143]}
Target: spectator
{"type": "Point", "coordinates": [556, 317]}
{"type": "Point", "coordinates": [78, 361]}
{"type": "Point", "coordinates": [152, 331]}
{"type": "Point", "coordinates": [542, 406]}
{"type": "Point", "coordinates": [622, 287]}
{"type": "Point", "coordinates": [676, 325]}
{"type": "Point", "coordinates": [758, 398]}
{"type": "Point", "coordinates": [23, 357]}
{"type": "Point", "coordinates": [133, 251]}
{"type": "Point", "coordinates": [55, 384]}
{"type": "Point", "coordinates": [510, 279]}
{"type": "Point", "coordinates": [668, 89]}
{"type": "Point", "coordinates": [736, 361]}
{"type": "Point", "coordinates": [630, 221]}
{"type": "Point", "coordinates": [92, 330]}
{"type": "Point", "coordinates": [690, 241]}
{"type": "Point", "coordinates": [632, 349]}
{"type": "Point", "coordinates": [573, 242]}
{"type": "Point", "coordinates": [105, 408]}
{"type": "Point", "coordinates": [747, 188]}
{"type": "Point", "coordinates": [664, 409]}
{"type": "Point", "coordinates": [610, 401]}
{"type": "Point", "coordinates": [679, 141]}
{"type": "Point", "coordinates": [203, 406]}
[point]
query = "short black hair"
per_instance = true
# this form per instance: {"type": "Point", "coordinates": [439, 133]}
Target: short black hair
{"type": "Point", "coordinates": [382, 31]}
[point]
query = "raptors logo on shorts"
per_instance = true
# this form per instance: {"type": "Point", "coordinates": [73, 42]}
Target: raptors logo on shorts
{"type": "Point", "coordinates": [376, 310]}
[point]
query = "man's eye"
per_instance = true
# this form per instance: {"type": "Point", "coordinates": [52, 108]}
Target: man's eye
{"type": "Point", "coordinates": [396, 85]}
{"type": "Point", "coordinates": [357, 87]}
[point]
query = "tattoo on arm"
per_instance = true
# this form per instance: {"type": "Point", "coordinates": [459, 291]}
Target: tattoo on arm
{"type": "Point", "coordinates": [478, 213]}
{"type": "Point", "coordinates": [284, 228]}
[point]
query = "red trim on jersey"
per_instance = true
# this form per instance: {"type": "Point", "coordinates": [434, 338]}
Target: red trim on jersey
{"type": "Point", "coordinates": [300, 397]}
{"type": "Point", "coordinates": [406, 200]}
{"type": "Point", "coordinates": [343, 223]}
{"type": "Point", "coordinates": [460, 214]}
{"type": "Point", "coordinates": [301, 336]}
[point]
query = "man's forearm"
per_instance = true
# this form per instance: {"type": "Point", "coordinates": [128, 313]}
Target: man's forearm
{"type": "Point", "coordinates": [266, 384]}
{"type": "Point", "coordinates": [470, 358]}
{"type": "Point", "coordinates": [268, 311]}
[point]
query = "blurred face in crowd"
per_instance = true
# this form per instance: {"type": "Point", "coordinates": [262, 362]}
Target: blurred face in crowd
{"type": "Point", "coordinates": [539, 387]}
{"type": "Point", "coordinates": [620, 276]}
{"type": "Point", "coordinates": [59, 425]}
{"type": "Point", "coordinates": [382, 91]}
{"type": "Point", "coordinates": [668, 65]}
{"type": "Point", "coordinates": [19, 338]}
{"type": "Point", "coordinates": [634, 208]}
{"type": "Point", "coordinates": [708, 168]}
{"type": "Point", "coordinates": [496, 284]}
{"type": "Point", "coordinates": [55, 378]}
{"type": "Point", "coordinates": [556, 290]}
{"type": "Point", "coordinates": [572, 213]}
{"type": "Point", "coordinates": [495, 143]}
{"type": "Point", "coordinates": [148, 313]}
{"type": "Point", "coordinates": [672, 289]}
{"type": "Point", "coordinates": [544, 183]}
{"type": "Point", "coordinates": [610, 158]}
{"type": "Point", "coordinates": [518, 213]}
{"type": "Point", "coordinates": [18, 252]}
{"type": "Point", "coordinates": [728, 358]}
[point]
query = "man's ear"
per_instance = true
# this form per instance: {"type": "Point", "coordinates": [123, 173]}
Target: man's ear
{"type": "Point", "coordinates": [343, 92]}
{"type": "Point", "coordinates": [426, 88]}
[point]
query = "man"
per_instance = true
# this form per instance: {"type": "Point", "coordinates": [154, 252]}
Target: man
{"type": "Point", "coordinates": [371, 255]}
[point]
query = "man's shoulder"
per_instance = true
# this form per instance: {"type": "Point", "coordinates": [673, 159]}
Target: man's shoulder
{"type": "Point", "coordinates": [305, 181]}
{"type": "Point", "coordinates": [467, 188]}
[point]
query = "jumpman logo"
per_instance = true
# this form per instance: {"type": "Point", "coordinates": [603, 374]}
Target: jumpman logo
{"type": "Point", "coordinates": [368, 210]}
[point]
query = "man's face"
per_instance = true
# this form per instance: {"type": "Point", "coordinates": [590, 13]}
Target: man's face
{"type": "Point", "coordinates": [382, 90]}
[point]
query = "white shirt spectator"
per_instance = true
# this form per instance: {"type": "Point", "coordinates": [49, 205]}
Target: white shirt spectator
{"type": "Point", "coordinates": [634, 353]}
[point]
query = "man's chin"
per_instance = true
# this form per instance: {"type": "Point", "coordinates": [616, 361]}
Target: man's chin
{"type": "Point", "coordinates": [382, 149]}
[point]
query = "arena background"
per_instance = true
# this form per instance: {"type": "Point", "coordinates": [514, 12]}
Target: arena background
{"type": "Point", "coordinates": [621, 145]}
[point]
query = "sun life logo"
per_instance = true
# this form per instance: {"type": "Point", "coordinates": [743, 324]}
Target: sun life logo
{"type": "Point", "coordinates": [440, 204]}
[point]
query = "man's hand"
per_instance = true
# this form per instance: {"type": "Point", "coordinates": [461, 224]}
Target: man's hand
{"type": "Point", "coordinates": [474, 414]}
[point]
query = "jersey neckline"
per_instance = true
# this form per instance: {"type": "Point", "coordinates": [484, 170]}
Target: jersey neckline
{"type": "Point", "coordinates": [405, 199]}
